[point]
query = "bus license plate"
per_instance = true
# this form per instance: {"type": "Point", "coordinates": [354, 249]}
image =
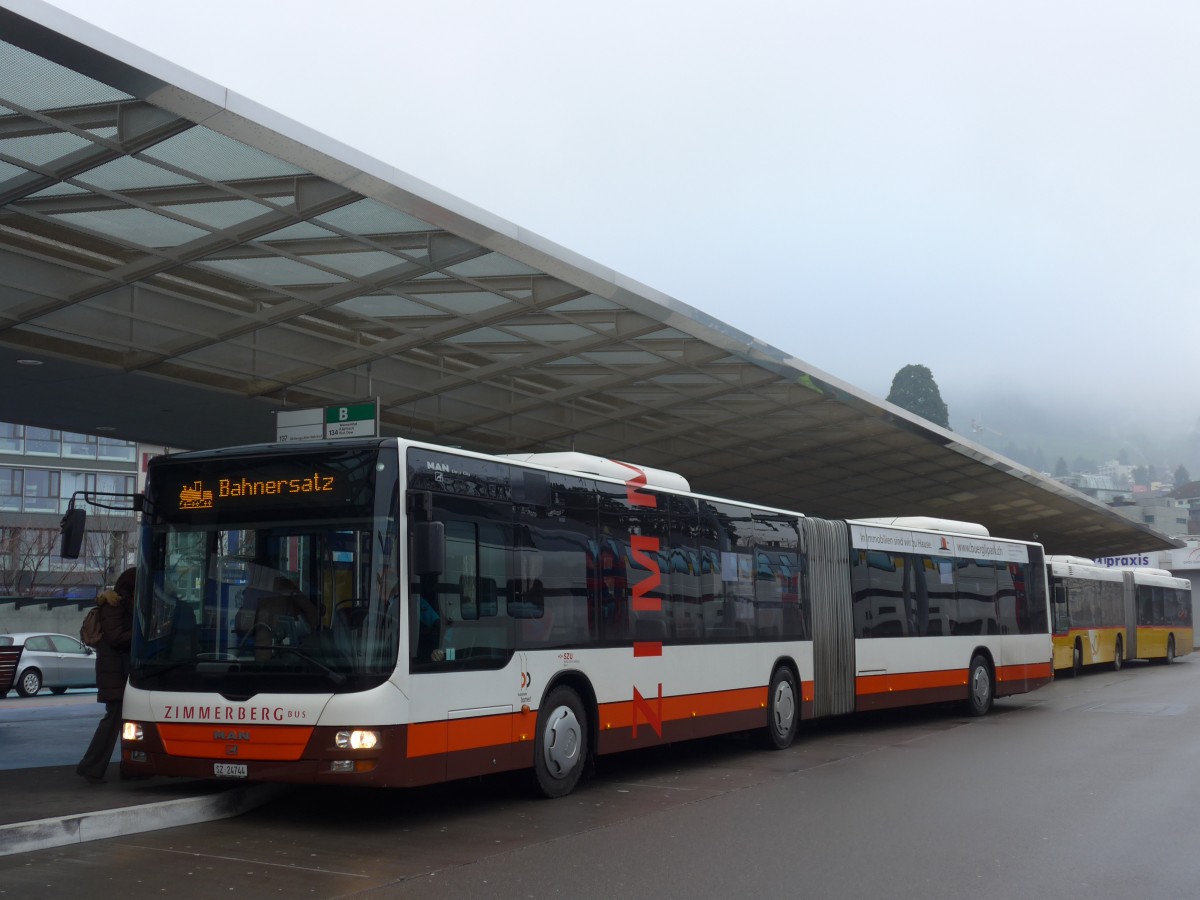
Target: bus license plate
{"type": "Point", "coordinates": [229, 770]}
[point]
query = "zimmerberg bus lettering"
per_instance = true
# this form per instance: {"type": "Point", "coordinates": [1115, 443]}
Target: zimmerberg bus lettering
{"type": "Point", "coordinates": [315, 484]}
{"type": "Point", "coordinates": [644, 550]}
{"type": "Point", "coordinates": [177, 713]}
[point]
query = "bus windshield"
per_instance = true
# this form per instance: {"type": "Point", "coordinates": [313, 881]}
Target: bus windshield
{"type": "Point", "coordinates": [268, 573]}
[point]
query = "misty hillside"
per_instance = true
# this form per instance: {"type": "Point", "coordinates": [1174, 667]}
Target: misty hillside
{"type": "Point", "coordinates": [1034, 433]}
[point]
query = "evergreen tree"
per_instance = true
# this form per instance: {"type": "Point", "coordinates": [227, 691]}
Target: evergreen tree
{"type": "Point", "coordinates": [1084, 466]}
{"type": "Point", "coordinates": [1181, 476]}
{"type": "Point", "coordinates": [914, 389]}
{"type": "Point", "coordinates": [1060, 468]}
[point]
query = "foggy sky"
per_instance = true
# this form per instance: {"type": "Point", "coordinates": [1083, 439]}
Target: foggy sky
{"type": "Point", "coordinates": [1006, 193]}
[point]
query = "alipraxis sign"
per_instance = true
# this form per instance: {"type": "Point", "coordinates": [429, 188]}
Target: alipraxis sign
{"type": "Point", "coordinates": [1177, 561]}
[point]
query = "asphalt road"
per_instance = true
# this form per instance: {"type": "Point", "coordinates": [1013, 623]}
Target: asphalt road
{"type": "Point", "coordinates": [1085, 789]}
{"type": "Point", "coordinates": [47, 730]}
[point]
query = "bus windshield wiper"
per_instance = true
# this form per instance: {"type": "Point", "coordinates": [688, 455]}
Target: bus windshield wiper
{"type": "Point", "coordinates": [153, 670]}
{"type": "Point", "coordinates": [334, 675]}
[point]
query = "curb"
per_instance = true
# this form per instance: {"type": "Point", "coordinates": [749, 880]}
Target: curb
{"type": "Point", "coordinates": [42, 834]}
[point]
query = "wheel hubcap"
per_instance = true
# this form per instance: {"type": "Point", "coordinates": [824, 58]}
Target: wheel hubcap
{"type": "Point", "coordinates": [980, 686]}
{"type": "Point", "coordinates": [784, 708]}
{"type": "Point", "coordinates": [562, 741]}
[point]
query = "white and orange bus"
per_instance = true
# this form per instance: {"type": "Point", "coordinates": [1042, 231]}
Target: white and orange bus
{"type": "Point", "coordinates": [387, 612]}
{"type": "Point", "coordinates": [1106, 615]}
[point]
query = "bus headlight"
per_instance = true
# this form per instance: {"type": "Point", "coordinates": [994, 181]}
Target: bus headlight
{"type": "Point", "coordinates": [132, 731]}
{"type": "Point", "coordinates": [359, 739]}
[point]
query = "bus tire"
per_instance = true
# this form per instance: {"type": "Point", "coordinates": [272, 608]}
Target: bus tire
{"type": "Point", "coordinates": [1118, 656]}
{"type": "Point", "coordinates": [560, 747]}
{"type": "Point", "coordinates": [1170, 657]}
{"type": "Point", "coordinates": [979, 686]}
{"type": "Point", "coordinates": [783, 710]}
{"type": "Point", "coordinates": [1076, 660]}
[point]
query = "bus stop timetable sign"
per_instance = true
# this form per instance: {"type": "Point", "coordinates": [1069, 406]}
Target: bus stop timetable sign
{"type": "Point", "coordinates": [359, 420]}
{"type": "Point", "coordinates": [324, 423]}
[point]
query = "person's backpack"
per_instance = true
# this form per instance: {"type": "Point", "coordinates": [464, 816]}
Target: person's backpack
{"type": "Point", "coordinates": [90, 632]}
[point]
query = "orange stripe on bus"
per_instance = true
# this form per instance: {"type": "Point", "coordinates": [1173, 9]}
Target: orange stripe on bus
{"type": "Point", "coordinates": [647, 648]}
{"type": "Point", "coordinates": [687, 706]}
{"type": "Point", "coordinates": [921, 681]}
{"type": "Point", "coordinates": [1025, 672]}
{"type": "Point", "coordinates": [908, 681]}
{"type": "Point", "coordinates": [430, 738]}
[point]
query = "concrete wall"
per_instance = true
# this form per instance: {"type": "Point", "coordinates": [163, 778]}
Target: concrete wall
{"type": "Point", "coordinates": [55, 617]}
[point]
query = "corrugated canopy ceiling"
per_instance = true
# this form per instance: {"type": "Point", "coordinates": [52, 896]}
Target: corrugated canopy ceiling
{"type": "Point", "coordinates": [183, 262]}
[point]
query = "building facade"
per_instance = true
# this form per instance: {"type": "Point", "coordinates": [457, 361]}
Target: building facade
{"type": "Point", "coordinates": [41, 470]}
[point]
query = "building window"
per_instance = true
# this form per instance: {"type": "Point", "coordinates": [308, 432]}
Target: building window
{"type": "Point", "coordinates": [101, 482]}
{"type": "Point", "coordinates": [11, 489]}
{"type": "Point", "coordinates": [113, 449]}
{"type": "Point", "coordinates": [78, 446]}
{"type": "Point", "coordinates": [43, 441]}
{"type": "Point", "coordinates": [12, 438]}
{"type": "Point", "coordinates": [41, 491]}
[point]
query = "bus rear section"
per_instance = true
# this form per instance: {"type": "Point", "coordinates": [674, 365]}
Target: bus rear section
{"type": "Point", "coordinates": [1163, 612]}
{"type": "Point", "coordinates": [943, 616]}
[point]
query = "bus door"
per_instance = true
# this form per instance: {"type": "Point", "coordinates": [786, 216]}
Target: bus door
{"type": "Point", "coordinates": [827, 546]}
{"type": "Point", "coordinates": [1131, 630]}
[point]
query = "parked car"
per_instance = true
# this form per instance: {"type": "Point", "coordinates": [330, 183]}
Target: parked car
{"type": "Point", "coordinates": [54, 661]}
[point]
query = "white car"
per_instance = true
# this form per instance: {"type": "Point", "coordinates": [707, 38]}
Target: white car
{"type": "Point", "coordinates": [54, 661]}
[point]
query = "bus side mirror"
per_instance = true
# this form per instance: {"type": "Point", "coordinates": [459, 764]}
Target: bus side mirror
{"type": "Point", "coordinates": [72, 528]}
{"type": "Point", "coordinates": [429, 548]}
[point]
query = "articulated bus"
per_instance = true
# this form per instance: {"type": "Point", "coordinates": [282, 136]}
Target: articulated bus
{"type": "Point", "coordinates": [392, 613]}
{"type": "Point", "coordinates": [1108, 615]}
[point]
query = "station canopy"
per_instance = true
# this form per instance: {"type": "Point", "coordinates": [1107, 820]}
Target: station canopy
{"type": "Point", "coordinates": [178, 263]}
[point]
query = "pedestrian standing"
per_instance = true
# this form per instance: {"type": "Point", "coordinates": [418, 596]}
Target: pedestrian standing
{"type": "Point", "coordinates": [112, 671]}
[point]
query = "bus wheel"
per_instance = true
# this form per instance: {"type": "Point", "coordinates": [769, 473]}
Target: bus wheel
{"type": "Point", "coordinates": [1076, 660]}
{"type": "Point", "coordinates": [783, 714]}
{"type": "Point", "coordinates": [1170, 657]}
{"type": "Point", "coordinates": [560, 749]}
{"type": "Point", "coordinates": [979, 687]}
{"type": "Point", "coordinates": [1118, 656]}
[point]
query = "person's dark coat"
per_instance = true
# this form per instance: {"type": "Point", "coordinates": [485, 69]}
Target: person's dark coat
{"type": "Point", "coordinates": [112, 653]}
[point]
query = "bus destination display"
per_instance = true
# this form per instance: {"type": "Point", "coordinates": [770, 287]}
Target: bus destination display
{"type": "Point", "coordinates": [201, 495]}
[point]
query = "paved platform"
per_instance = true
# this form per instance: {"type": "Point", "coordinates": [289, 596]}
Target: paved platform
{"type": "Point", "coordinates": [51, 806]}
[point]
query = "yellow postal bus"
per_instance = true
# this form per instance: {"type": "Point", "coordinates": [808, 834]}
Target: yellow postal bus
{"type": "Point", "coordinates": [1108, 615]}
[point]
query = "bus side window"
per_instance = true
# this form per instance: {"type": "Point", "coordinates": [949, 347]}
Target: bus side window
{"type": "Point", "coordinates": [487, 597]}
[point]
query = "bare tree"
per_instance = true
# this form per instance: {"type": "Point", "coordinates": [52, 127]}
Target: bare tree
{"type": "Point", "coordinates": [25, 560]}
{"type": "Point", "coordinates": [110, 545]}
